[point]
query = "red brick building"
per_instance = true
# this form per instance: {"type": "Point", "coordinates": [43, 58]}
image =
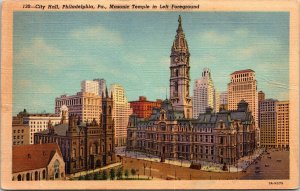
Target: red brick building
{"type": "Point", "coordinates": [143, 107]}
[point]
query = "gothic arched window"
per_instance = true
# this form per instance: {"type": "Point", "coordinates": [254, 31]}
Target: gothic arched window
{"type": "Point", "coordinates": [176, 86]}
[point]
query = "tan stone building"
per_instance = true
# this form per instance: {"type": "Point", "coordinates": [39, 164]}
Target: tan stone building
{"type": "Point", "coordinates": [274, 123]}
{"type": "Point", "coordinates": [84, 104]}
{"type": "Point", "coordinates": [20, 132]}
{"type": "Point", "coordinates": [282, 122]}
{"type": "Point", "coordinates": [267, 122]}
{"type": "Point", "coordinates": [37, 162]}
{"type": "Point", "coordinates": [243, 86]}
{"type": "Point", "coordinates": [32, 123]}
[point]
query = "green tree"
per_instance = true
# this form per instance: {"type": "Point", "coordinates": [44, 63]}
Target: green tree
{"type": "Point", "coordinates": [133, 172]}
{"type": "Point", "coordinates": [97, 176]}
{"type": "Point", "coordinates": [119, 173]}
{"type": "Point", "coordinates": [80, 178]}
{"type": "Point", "coordinates": [112, 174]}
{"type": "Point", "coordinates": [126, 173]}
{"type": "Point", "coordinates": [104, 175]}
{"type": "Point", "coordinates": [89, 177]}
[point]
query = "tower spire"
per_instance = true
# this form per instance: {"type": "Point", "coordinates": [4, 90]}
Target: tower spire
{"type": "Point", "coordinates": [179, 29]}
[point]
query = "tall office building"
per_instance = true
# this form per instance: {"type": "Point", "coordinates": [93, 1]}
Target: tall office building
{"type": "Point", "coordinates": [121, 113]}
{"type": "Point", "coordinates": [274, 123]}
{"type": "Point", "coordinates": [267, 122]}
{"type": "Point", "coordinates": [261, 96]}
{"type": "Point", "coordinates": [96, 86]}
{"type": "Point", "coordinates": [204, 94]}
{"type": "Point", "coordinates": [180, 74]}
{"type": "Point", "coordinates": [90, 86]}
{"type": "Point", "coordinates": [223, 103]}
{"type": "Point", "coordinates": [101, 86]}
{"type": "Point", "coordinates": [243, 86]}
{"type": "Point", "coordinates": [282, 122]}
{"type": "Point", "coordinates": [84, 104]}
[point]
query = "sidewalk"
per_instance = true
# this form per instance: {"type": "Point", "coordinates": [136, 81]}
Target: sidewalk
{"type": "Point", "coordinates": [95, 170]}
{"type": "Point", "coordinates": [243, 163]}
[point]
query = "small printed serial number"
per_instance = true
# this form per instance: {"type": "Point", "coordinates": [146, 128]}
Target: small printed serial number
{"type": "Point", "coordinates": [276, 183]}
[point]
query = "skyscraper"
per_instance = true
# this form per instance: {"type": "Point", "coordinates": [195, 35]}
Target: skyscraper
{"type": "Point", "coordinates": [274, 123]}
{"type": "Point", "coordinates": [261, 96]}
{"type": "Point", "coordinates": [90, 87]}
{"type": "Point", "coordinates": [102, 86]}
{"type": "Point", "coordinates": [243, 86]}
{"type": "Point", "coordinates": [205, 94]}
{"type": "Point", "coordinates": [121, 112]}
{"type": "Point", "coordinates": [282, 122]}
{"type": "Point", "coordinates": [267, 122]}
{"type": "Point", "coordinates": [223, 100]}
{"type": "Point", "coordinates": [180, 74]}
{"type": "Point", "coordinates": [96, 86]}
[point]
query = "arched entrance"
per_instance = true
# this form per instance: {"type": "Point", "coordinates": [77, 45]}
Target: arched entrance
{"type": "Point", "coordinates": [56, 169]}
{"type": "Point", "coordinates": [19, 177]}
{"type": "Point", "coordinates": [98, 163]}
{"type": "Point", "coordinates": [27, 176]}
{"type": "Point", "coordinates": [36, 175]}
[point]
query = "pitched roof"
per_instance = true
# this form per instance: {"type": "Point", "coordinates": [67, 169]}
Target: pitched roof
{"type": "Point", "coordinates": [30, 157]}
{"type": "Point", "coordinates": [242, 71]}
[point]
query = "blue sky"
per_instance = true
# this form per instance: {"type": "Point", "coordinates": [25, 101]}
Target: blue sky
{"type": "Point", "coordinates": [55, 51]}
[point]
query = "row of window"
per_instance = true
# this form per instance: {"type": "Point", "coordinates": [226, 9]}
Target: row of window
{"type": "Point", "coordinates": [19, 131]}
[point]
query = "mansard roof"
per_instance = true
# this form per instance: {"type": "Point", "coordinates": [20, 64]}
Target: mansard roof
{"type": "Point", "coordinates": [60, 130]}
{"type": "Point", "coordinates": [167, 107]}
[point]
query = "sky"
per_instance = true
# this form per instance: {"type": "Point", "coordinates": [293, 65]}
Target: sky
{"type": "Point", "coordinates": [54, 51]}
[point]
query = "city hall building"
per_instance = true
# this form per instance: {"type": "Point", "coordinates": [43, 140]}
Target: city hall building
{"type": "Point", "coordinates": [171, 132]}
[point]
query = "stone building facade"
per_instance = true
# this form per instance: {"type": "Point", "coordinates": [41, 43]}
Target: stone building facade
{"type": "Point", "coordinates": [222, 137]}
{"type": "Point", "coordinates": [84, 145]}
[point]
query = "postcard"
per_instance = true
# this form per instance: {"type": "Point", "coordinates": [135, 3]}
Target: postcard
{"type": "Point", "coordinates": [149, 94]}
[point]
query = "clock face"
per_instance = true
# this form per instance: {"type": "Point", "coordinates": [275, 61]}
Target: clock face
{"type": "Point", "coordinates": [176, 59]}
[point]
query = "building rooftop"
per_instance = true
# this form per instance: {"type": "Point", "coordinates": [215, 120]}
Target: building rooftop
{"type": "Point", "coordinates": [30, 157]}
{"type": "Point", "coordinates": [242, 71]}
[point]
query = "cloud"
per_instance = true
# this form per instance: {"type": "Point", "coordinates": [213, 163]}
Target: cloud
{"type": "Point", "coordinates": [214, 37]}
{"type": "Point", "coordinates": [35, 51]}
{"type": "Point", "coordinates": [97, 34]}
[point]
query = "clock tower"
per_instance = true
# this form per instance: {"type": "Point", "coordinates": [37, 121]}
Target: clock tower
{"type": "Point", "coordinates": [180, 73]}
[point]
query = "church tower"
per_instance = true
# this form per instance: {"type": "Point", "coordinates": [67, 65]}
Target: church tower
{"type": "Point", "coordinates": [108, 129]}
{"type": "Point", "coordinates": [180, 73]}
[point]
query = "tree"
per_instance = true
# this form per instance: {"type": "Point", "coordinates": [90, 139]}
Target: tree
{"type": "Point", "coordinates": [97, 176]}
{"type": "Point", "coordinates": [112, 174]}
{"type": "Point", "coordinates": [119, 173]}
{"type": "Point", "coordinates": [80, 178]}
{"type": "Point", "coordinates": [133, 172]}
{"type": "Point", "coordinates": [104, 175]}
{"type": "Point", "coordinates": [126, 173]}
{"type": "Point", "coordinates": [89, 177]}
